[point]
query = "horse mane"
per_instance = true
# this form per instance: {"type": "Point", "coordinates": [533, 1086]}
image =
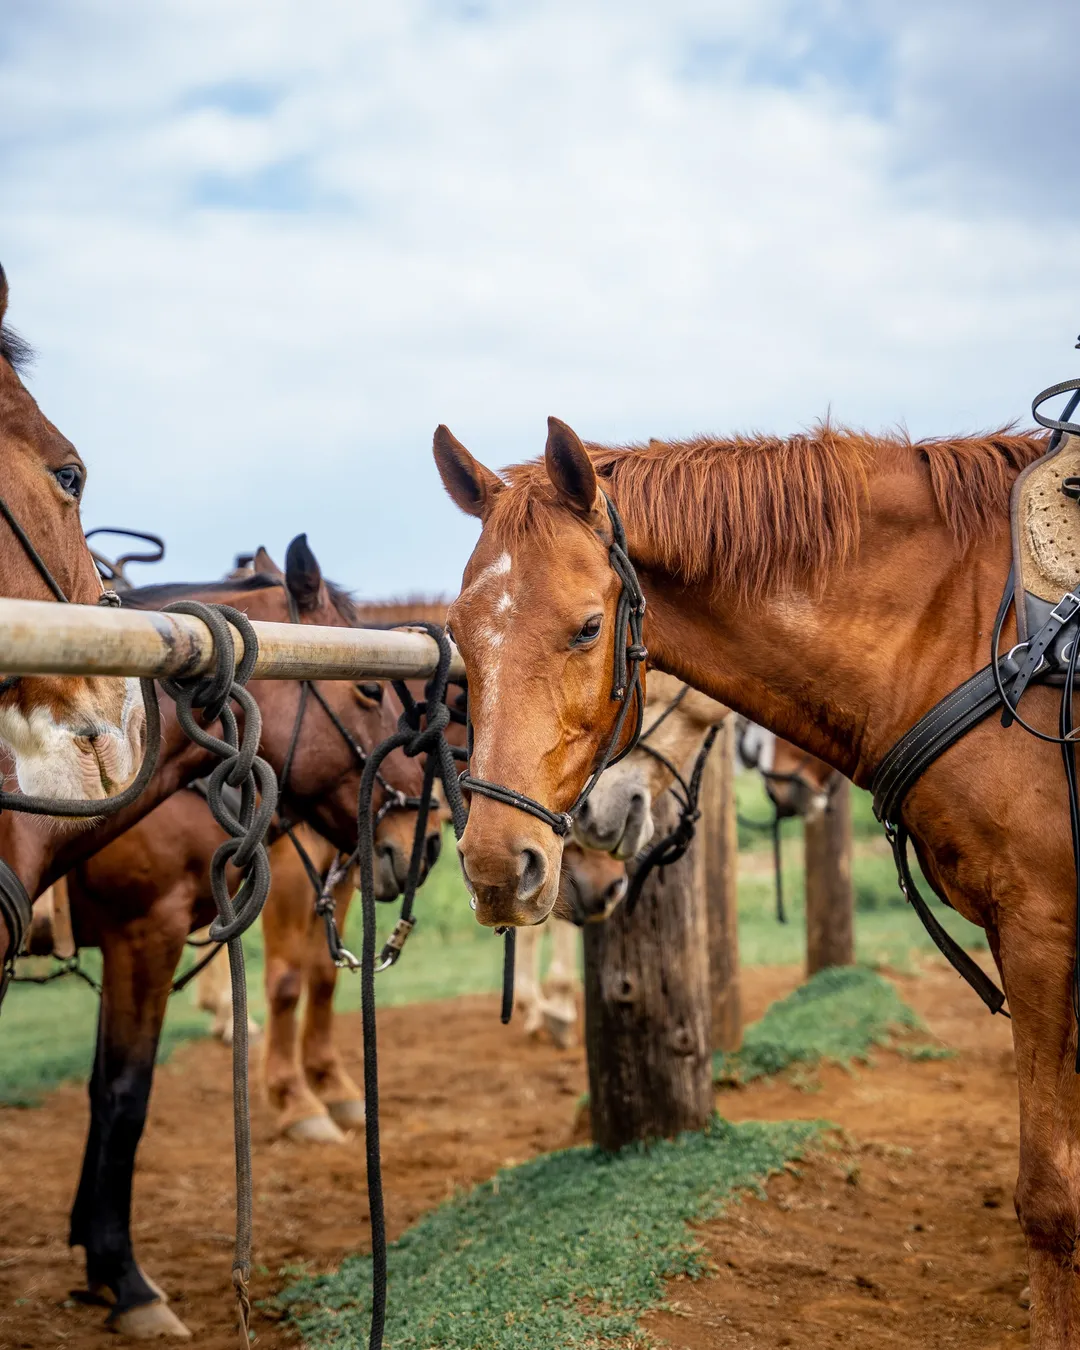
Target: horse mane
{"type": "Point", "coordinates": [16, 351]}
{"type": "Point", "coordinates": [154, 597]}
{"type": "Point", "coordinates": [762, 514]}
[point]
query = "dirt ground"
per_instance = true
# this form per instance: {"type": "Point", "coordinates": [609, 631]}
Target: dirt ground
{"type": "Point", "coordinates": [906, 1234]}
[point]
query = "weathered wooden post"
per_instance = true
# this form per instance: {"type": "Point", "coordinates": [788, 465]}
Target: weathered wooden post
{"type": "Point", "coordinates": [717, 851]}
{"type": "Point", "coordinates": [647, 1008]}
{"type": "Point", "coordinates": [830, 899]}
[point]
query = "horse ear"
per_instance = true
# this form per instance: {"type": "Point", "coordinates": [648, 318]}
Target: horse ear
{"type": "Point", "coordinates": [262, 562]}
{"type": "Point", "coordinates": [471, 486]}
{"type": "Point", "coordinates": [570, 468]}
{"type": "Point", "coordinates": [303, 575]}
{"type": "Point", "coordinates": [3, 295]}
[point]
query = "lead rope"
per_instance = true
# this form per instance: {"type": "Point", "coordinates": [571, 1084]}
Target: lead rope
{"type": "Point", "coordinates": [239, 767]}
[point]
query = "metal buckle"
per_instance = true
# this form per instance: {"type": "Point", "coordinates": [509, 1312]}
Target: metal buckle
{"type": "Point", "coordinates": [1062, 618]}
{"type": "Point", "coordinates": [394, 943]}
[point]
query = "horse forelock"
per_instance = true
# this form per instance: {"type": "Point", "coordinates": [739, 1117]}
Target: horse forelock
{"type": "Point", "coordinates": [762, 514]}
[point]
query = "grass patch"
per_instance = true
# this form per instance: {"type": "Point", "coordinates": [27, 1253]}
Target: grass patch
{"type": "Point", "coordinates": [838, 1015]}
{"type": "Point", "coordinates": [564, 1250]}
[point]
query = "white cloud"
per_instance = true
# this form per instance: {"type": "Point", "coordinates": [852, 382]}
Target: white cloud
{"type": "Point", "coordinates": [264, 249]}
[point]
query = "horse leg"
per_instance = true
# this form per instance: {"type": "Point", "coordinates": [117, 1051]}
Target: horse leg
{"type": "Point", "coordinates": [528, 998]}
{"type": "Point", "coordinates": [560, 987]}
{"type": "Point", "coordinates": [286, 919]}
{"type": "Point", "coordinates": [1037, 977]}
{"type": "Point", "coordinates": [323, 1068]}
{"type": "Point", "coordinates": [139, 960]}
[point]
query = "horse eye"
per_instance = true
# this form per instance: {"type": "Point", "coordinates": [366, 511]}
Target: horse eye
{"type": "Point", "coordinates": [589, 631]}
{"type": "Point", "coordinates": [373, 691]}
{"type": "Point", "coordinates": [70, 479]}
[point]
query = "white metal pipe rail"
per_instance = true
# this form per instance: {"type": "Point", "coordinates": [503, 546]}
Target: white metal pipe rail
{"type": "Point", "coordinates": [42, 638]}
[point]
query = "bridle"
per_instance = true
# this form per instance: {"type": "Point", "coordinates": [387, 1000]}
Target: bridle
{"type": "Point", "coordinates": [674, 844]}
{"type": "Point", "coordinates": [16, 908]}
{"type": "Point", "coordinates": [627, 689]}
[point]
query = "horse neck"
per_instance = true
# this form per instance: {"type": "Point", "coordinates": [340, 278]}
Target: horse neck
{"type": "Point", "coordinates": [843, 670]}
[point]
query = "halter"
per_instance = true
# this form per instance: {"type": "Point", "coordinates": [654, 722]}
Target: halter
{"type": "Point", "coordinates": [630, 655]}
{"type": "Point", "coordinates": [674, 844]}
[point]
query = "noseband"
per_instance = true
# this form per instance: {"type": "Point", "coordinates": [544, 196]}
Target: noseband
{"type": "Point", "coordinates": [627, 689]}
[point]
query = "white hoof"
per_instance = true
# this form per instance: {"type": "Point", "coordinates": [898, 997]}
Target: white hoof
{"type": "Point", "coordinates": [314, 1130]}
{"type": "Point", "coordinates": [348, 1114]}
{"type": "Point", "coordinates": [148, 1321]}
{"type": "Point", "coordinates": [562, 1032]}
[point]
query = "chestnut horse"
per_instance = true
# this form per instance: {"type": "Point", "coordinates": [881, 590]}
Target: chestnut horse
{"type": "Point", "coordinates": [67, 737]}
{"type": "Point", "coordinates": [832, 587]}
{"type": "Point", "coordinates": [117, 904]}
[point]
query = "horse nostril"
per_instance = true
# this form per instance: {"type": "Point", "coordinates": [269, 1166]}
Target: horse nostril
{"type": "Point", "coordinates": [533, 873]}
{"type": "Point", "coordinates": [584, 814]}
{"type": "Point", "coordinates": [614, 892]}
{"type": "Point", "coordinates": [432, 849]}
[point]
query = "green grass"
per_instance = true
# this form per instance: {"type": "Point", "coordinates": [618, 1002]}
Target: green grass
{"type": "Point", "coordinates": [838, 1015]}
{"type": "Point", "coordinates": [562, 1251]}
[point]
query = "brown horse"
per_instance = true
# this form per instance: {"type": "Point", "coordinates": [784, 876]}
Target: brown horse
{"type": "Point", "coordinates": [64, 737]}
{"type": "Point", "coordinates": [118, 904]}
{"type": "Point", "coordinates": [832, 587]}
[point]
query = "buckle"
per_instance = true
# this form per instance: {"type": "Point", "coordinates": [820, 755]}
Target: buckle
{"type": "Point", "coordinates": [1066, 618]}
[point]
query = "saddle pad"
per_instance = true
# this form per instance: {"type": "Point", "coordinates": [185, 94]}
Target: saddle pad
{"type": "Point", "coordinates": [1048, 525]}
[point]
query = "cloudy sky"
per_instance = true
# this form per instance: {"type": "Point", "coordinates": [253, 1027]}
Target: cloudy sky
{"type": "Point", "coordinates": [262, 248]}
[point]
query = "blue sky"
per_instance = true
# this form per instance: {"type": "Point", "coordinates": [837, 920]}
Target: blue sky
{"type": "Point", "coordinates": [263, 248]}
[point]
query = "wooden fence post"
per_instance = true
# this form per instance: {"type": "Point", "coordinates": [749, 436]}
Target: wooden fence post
{"type": "Point", "coordinates": [830, 899]}
{"type": "Point", "coordinates": [647, 1009]}
{"type": "Point", "coordinates": [718, 867]}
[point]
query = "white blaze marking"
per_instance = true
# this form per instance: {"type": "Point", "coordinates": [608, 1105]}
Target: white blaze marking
{"type": "Point", "coordinates": [491, 637]}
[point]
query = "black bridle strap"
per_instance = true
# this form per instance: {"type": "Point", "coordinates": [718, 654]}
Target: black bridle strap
{"type": "Point", "coordinates": [674, 845]}
{"type": "Point", "coordinates": [32, 553]}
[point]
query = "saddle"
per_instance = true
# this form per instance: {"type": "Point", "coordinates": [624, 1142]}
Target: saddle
{"type": "Point", "coordinates": [1045, 519]}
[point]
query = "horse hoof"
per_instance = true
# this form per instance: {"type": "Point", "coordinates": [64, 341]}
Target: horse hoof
{"type": "Point", "coordinates": [561, 1032]}
{"type": "Point", "coordinates": [314, 1130]}
{"type": "Point", "coordinates": [348, 1114]}
{"type": "Point", "coordinates": [148, 1321]}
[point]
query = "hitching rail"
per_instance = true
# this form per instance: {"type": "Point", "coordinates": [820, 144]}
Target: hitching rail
{"type": "Point", "coordinates": [42, 638]}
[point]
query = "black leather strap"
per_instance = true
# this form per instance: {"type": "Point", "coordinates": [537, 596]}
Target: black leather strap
{"type": "Point", "coordinates": [945, 723]}
{"type": "Point", "coordinates": [933, 734]}
{"type": "Point", "coordinates": [17, 912]}
{"type": "Point", "coordinates": [946, 944]}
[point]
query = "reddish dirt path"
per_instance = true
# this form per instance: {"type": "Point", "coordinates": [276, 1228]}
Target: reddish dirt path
{"type": "Point", "coordinates": [463, 1096]}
